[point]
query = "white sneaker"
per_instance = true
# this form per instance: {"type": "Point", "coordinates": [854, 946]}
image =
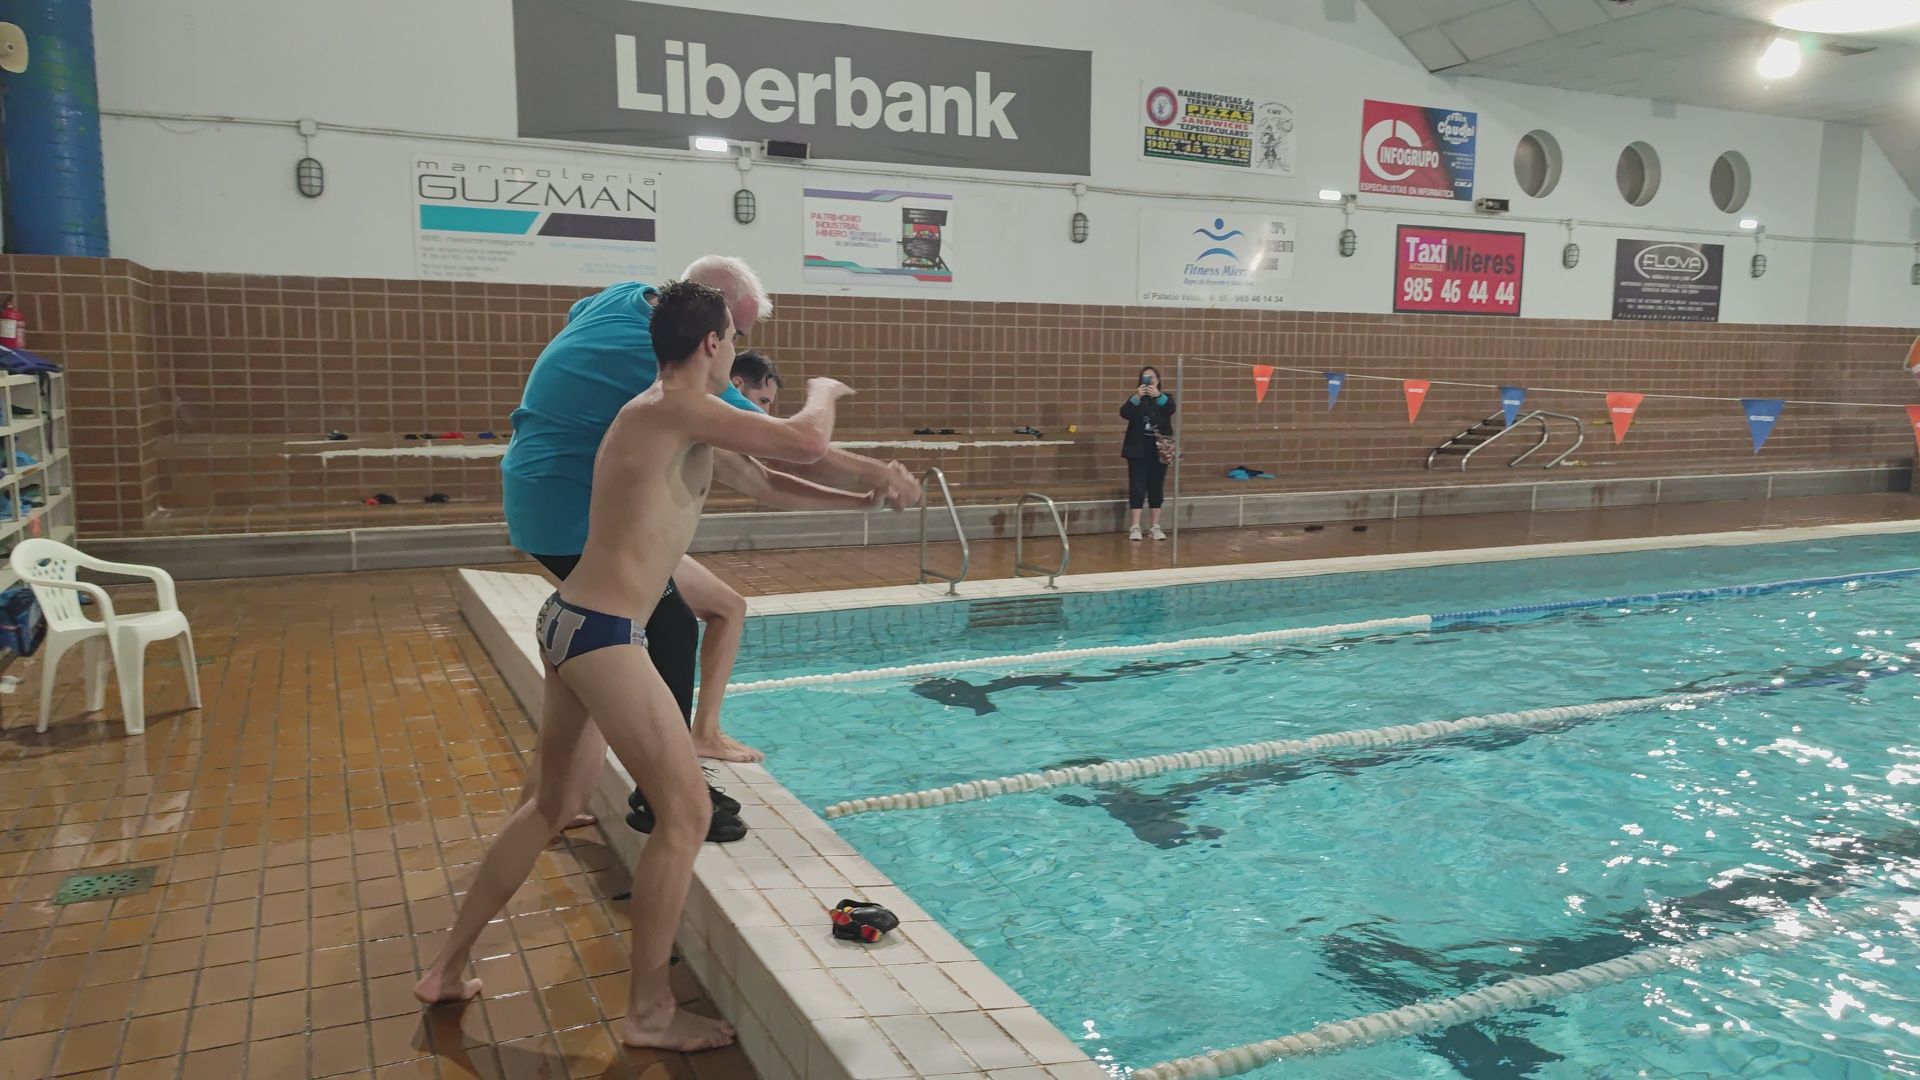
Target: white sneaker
{"type": "Point", "coordinates": [1133, 534]}
{"type": "Point", "coordinates": [1157, 533]}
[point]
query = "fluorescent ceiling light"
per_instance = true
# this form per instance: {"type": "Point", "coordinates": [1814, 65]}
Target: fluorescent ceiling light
{"type": "Point", "coordinates": [1781, 60]}
{"type": "Point", "coordinates": [1847, 16]}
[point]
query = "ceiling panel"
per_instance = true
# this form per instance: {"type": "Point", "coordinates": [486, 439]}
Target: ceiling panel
{"type": "Point", "coordinates": [1697, 52]}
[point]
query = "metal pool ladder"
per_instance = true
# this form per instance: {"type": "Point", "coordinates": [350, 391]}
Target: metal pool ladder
{"type": "Point", "coordinates": [953, 580]}
{"type": "Point", "coordinates": [1020, 536]}
{"type": "Point", "coordinates": [1478, 437]}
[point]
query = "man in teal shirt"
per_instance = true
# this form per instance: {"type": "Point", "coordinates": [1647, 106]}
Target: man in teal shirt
{"type": "Point", "coordinates": [598, 362]}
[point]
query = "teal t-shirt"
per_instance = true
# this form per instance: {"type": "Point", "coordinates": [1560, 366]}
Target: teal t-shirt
{"type": "Point", "coordinates": [601, 360]}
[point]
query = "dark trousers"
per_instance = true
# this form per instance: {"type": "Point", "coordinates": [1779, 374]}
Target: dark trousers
{"type": "Point", "coordinates": [1146, 482]}
{"type": "Point", "coordinates": [673, 635]}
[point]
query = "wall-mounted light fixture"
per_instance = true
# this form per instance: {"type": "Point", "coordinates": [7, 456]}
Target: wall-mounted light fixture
{"type": "Point", "coordinates": [1078, 225]}
{"type": "Point", "coordinates": [1570, 255]}
{"type": "Point", "coordinates": [746, 206]}
{"type": "Point", "coordinates": [309, 176]}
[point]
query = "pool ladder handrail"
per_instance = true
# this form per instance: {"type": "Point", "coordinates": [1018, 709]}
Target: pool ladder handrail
{"type": "Point", "coordinates": [1536, 416]}
{"type": "Point", "coordinates": [1020, 536]}
{"type": "Point", "coordinates": [953, 581]}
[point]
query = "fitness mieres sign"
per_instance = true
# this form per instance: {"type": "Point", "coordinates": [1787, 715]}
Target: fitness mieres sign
{"type": "Point", "coordinates": [614, 71]}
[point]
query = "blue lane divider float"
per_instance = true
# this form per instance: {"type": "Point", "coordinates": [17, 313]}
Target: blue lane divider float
{"type": "Point", "coordinates": [1416, 623]}
{"type": "Point", "coordinates": [1715, 592]}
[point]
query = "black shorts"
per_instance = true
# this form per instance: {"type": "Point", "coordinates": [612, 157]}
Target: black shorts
{"type": "Point", "coordinates": [673, 635]}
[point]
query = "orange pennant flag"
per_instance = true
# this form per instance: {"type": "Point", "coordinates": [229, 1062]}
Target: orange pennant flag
{"type": "Point", "coordinates": [1620, 407]}
{"type": "Point", "coordinates": [1262, 375]}
{"type": "Point", "coordinates": [1913, 416]}
{"type": "Point", "coordinates": [1416, 396]}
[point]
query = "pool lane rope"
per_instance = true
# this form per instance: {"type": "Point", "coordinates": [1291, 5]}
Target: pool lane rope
{"type": "Point", "coordinates": [1263, 637]}
{"type": "Point", "coordinates": [1521, 992]}
{"type": "Point", "coordinates": [1302, 633]}
{"type": "Point", "coordinates": [1258, 752]}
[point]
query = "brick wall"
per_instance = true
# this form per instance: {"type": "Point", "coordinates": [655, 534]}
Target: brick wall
{"type": "Point", "coordinates": [197, 397]}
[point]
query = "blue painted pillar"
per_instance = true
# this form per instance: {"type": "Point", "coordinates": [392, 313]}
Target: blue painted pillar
{"type": "Point", "coordinates": [56, 196]}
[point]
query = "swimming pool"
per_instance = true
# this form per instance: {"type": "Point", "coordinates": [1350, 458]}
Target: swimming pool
{"type": "Point", "coordinates": [1159, 917]}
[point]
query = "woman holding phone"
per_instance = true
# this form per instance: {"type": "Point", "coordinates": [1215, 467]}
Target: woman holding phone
{"type": "Point", "coordinates": [1149, 417]}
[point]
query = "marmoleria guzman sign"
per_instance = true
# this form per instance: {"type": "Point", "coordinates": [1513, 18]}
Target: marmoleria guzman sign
{"type": "Point", "coordinates": [614, 71]}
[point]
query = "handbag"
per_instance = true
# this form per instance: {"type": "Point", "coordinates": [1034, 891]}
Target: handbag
{"type": "Point", "coordinates": [1169, 448]}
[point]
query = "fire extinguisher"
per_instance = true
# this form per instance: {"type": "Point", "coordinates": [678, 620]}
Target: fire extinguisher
{"type": "Point", "coordinates": [13, 325]}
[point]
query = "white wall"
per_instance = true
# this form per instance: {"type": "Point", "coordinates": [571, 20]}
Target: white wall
{"type": "Point", "coordinates": [219, 197]}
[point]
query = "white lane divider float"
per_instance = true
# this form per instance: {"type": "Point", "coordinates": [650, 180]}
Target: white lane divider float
{"type": "Point", "coordinates": [1255, 753]}
{"type": "Point", "coordinates": [1264, 637]}
{"type": "Point", "coordinates": [1521, 992]}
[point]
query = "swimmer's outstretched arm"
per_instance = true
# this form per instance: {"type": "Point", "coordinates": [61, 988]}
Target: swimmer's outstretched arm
{"type": "Point", "coordinates": [774, 488]}
{"type": "Point", "coordinates": [803, 437]}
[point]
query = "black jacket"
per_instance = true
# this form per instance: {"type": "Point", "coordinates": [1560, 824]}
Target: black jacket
{"type": "Point", "coordinates": [1140, 415]}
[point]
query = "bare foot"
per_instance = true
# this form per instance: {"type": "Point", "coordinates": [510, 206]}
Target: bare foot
{"type": "Point", "coordinates": [581, 821]}
{"type": "Point", "coordinates": [674, 1029]}
{"type": "Point", "coordinates": [440, 987]}
{"type": "Point", "coordinates": [726, 748]}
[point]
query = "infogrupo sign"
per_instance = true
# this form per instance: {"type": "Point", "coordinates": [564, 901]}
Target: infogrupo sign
{"type": "Point", "coordinates": [614, 71]}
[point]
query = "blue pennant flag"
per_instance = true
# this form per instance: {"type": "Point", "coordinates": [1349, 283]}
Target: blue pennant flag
{"type": "Point", "coordinates": [1511, 398]}
{"type": "Point", "coordinates": [1335, 380]}
{"type": "Point", "coordinates": [1762, 414]}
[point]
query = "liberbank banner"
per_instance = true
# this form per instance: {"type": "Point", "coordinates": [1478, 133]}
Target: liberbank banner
{"type": "Point", "coordinates": [614, 71]}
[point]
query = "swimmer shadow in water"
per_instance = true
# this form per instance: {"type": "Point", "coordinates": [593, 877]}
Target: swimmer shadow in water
{"type": "Point", "coordinates": [1368, 957]}
{"type": "Point", "coordinates": [1159, 818]}
{"type": "Point", "coordinates": [979, 696]}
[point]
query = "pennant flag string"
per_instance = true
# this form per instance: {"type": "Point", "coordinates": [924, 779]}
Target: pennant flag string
{"type": "Point", "coordinates": [1349, 376]}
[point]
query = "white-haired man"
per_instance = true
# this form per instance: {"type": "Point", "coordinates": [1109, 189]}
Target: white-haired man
{"type": "Point", "coordinates": [599, 361]}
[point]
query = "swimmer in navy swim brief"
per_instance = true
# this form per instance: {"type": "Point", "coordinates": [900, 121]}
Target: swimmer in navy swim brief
{"type": "Point", "coordinates": [564, 631]}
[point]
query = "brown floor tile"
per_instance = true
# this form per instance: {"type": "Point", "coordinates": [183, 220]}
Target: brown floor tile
{"type": "Point", "coordinates": [285, 1055]}
{"type": "Point", "coordinates": [214, 1026]}
{"type": "Point", "coordinates": [28, 1058]}
{"type": "Point", "coordinates": [53, 976]}
{"type": "Point", "coordinates": [515, 1016]}
{"type": "Point", "coordinates": [99, 1004]}
{"type": "Point", "coordinates": [155, 1036]}
{"type": "Point", "coordinates": [216, 1064]}
{"type": "Point", "coordinates": [570, 1005]}
{"type": "Point", "coordinates": [392, 995]}
{"type": "Point", "coordinates": [332, 1006]}
{"type": "Point", "coordinates": [229, 982]}
{"type": "Point", "coordinates": [339, 1050]}
{"type": "Point", "coordinates": [589, 1050]}
{"type": "Point", "coordinates": [118, 965]}
{"type": "Point", "coordinates": [167, 1068]}
{"type": "Point", "coordinates": [417, 1069]}
{"type": "Point", "coordinates": [279, 974]}
{"type": "Point", "coordinates": [41, 1012]}
{"type": "Point", "coordinates": [87, 1048]}
{"type": "Point", "coordinates": [399, 1038]}
{"type": "Point", "coordinates": [277, 1015]}
{"type": "Point", "coordinates": [164, 994]}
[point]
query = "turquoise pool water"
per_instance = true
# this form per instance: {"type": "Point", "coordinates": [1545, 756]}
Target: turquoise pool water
{"type": "Point", "coordinates": [1159, 918]}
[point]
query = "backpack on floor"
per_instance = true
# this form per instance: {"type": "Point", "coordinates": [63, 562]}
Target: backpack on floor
{"type": "Point", "coordinates": [22, 624]}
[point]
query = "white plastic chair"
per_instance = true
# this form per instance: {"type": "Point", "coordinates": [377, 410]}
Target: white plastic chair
{"type": "Point", "coordinates": [51, 568]}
